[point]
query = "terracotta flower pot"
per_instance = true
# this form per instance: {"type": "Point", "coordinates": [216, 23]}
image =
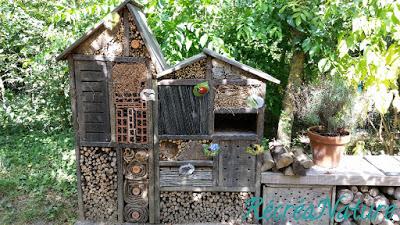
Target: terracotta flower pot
{"type": "Point", "coordinates": [327, 150]}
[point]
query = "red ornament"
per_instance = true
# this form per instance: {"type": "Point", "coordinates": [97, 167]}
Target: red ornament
{"type": "Point", "coordinates": [203, 90]}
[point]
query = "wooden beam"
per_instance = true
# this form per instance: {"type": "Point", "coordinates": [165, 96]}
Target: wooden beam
{"type": "Point", "coordinates": [76, 132]}
{"type": "Point", "coordinates": [119, 59]}
{"type": "Point", "coordinates": [185, 137]}
{"type": "Point", "coordinates": [204, 163]}
{"type": "Point", "coordinates": [235, 110]}
{"type": "Point", "coordinates": [210, 189]}
{"type": "Point", "coordinates": [242, 82]}
{"type": "Point", "coordinates": [120, 185]}
{"type": "Point", "coordinates": [188, 82]}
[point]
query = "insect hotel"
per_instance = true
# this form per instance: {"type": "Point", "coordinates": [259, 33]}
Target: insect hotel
{"type": "Point", "coordinates": [157, 143]}
{"type": "Point", "coordinates": [181, 144]}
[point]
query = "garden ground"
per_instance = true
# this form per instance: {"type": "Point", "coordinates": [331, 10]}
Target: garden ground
{"type": "Point", "coordinates": [37, 178]}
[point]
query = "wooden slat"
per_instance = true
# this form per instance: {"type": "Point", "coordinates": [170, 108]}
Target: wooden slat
{"type": "Point", "coordinates": [94, 117]}
{"type": "Point", "coordinates": [234, 136]}
{"type": "Point", "coordinates": [203, 163]}
{"type": "Point", "coordinates": [94, 108]}
{"type": "Point", "coordinates": [201, 177]}
{"type": "Point", "coordinates": [155, 217]}
{"type": "Point", "coordinates": [386, 164]}
{"type": "Point", "coordinates": [94, 127]}
{"type": "Point", "coordinates": [90, 86]}
{"type": "Point", "coordinates": [180, 82]}
{"type": "Point", "coordinates": [120, 186]}
{"type": "Point", "coordinates": [95, 97]}
{"type": "Point", "coordinates": [210, 189]}
{"type": "Point", "coordinates": [91, 75]}
{"type": "Point", "coordinates": [126, 38]}
{"type": "Point", "coordinates": [72, 82]}
{"type": "Point", "coordinates": [185, 137]}
{"type": "Point", "coordinates": [235, 110]}
{"type": "Point", "coordinates": [353, 170]}
{"type": "Point", "coordinates": [103, 58]}
{"type": "Point", "coordinates": [242, 82]}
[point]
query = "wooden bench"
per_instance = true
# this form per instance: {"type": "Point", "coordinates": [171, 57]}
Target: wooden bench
{"type": "Point", "coordinates": [321, 182]}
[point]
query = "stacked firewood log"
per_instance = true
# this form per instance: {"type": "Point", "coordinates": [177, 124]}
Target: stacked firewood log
{"type": "Point", "coordinates": [289, 161]}
{"type": "Point", "coordinates": [99, 182]}
{"type": "Point", "coordinates": [373, 201]}
{"type": "Point", "coordinates": [202, 207]}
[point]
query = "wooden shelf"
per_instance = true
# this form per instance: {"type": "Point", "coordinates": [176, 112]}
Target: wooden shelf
{"type": "Point", "coordinates": [235, 110]}
{"type": "Point", "coordinates": [184, 137]}
{"type": "Point", "coordinates": [211, 189]}
{"type": "Point", "coordinates": [208, 163]}
{"type": "Point", "coordinates": [353, 170]}
{"type": "Point", "coordinates": [234, 135]}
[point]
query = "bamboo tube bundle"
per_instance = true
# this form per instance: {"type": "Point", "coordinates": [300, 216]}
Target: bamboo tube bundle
{"type": "Point", "coordinates": [135, 214]}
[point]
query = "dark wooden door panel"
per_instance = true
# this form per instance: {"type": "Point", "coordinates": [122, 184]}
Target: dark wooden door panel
{"type": "Point", "coordinates": [182, 113]}
{"type": "Point", "coordinates": [92, 101]}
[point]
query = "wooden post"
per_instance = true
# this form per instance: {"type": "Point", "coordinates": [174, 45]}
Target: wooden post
{"type": "Point", "coordinates": [76, 129]}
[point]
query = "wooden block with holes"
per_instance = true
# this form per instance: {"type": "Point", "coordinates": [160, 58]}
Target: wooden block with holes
{"type": "Point", "coordinates": [236, 168]}
{"type": "Point", "coordinates": [293, 195]}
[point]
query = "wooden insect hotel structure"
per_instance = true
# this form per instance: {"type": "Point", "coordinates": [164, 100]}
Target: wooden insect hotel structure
{"type": "Point", "coordinates": [159, 144]}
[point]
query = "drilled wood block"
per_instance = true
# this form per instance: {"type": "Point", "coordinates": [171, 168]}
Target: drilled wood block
{"type": "Point", "coordinates": [296, 195]}
{"type": "Point", "coordinates": [237, 168]}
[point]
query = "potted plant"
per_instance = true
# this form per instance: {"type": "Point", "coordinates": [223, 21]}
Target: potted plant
{"type": "Point", "coordinates": [326, 106]}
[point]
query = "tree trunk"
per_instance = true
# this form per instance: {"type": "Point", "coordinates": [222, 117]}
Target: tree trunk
{"type": "Point", "coordinates": [295, 80]}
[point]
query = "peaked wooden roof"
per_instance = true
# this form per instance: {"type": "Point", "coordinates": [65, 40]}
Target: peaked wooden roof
{"type": "Point", "coordinates": [207, 52]}
{"type": "Point", "coordinates": [151, 43]}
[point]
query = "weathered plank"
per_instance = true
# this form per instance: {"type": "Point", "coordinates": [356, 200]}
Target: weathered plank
{"type": "Point", "coordinates": [182, 113]}
{"type": "Point", "coordinates": [234, 136]}
{"type": "Point", "coordinates": [104, 58]}
{"type": "Point", "coordinates": [202, 163]}
{"type": "Point", "coordinates": [211, 189]}
{"type": "Point", "coordinates": [170, 177]}
{"type": "Point", "coordinates": [72, 82]}
{"type": "Point", "coordinates": [120, 186]}
{"type": "Point", "coordinates": [353, 170]}
{"type": "Point", "coordinates": [386, 164]}
{"type": "Point", "coordinates": [185, 137]}
{"type": "Point", "coordinates": [180, 82]}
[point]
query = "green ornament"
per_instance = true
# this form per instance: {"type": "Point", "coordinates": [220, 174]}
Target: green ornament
{"type": "Point", "coordinates": [201, 89]}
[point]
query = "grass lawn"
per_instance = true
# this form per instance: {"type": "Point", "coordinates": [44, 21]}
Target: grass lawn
{"type": "Point", "coordinates": [37, 178]}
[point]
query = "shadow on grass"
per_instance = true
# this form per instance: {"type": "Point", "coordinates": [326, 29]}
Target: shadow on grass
{"type": "Point", "coordinates": [37, 177]}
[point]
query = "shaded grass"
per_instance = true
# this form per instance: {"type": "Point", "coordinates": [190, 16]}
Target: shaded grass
{"type": "Point", "coordinates": [37, 177]}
